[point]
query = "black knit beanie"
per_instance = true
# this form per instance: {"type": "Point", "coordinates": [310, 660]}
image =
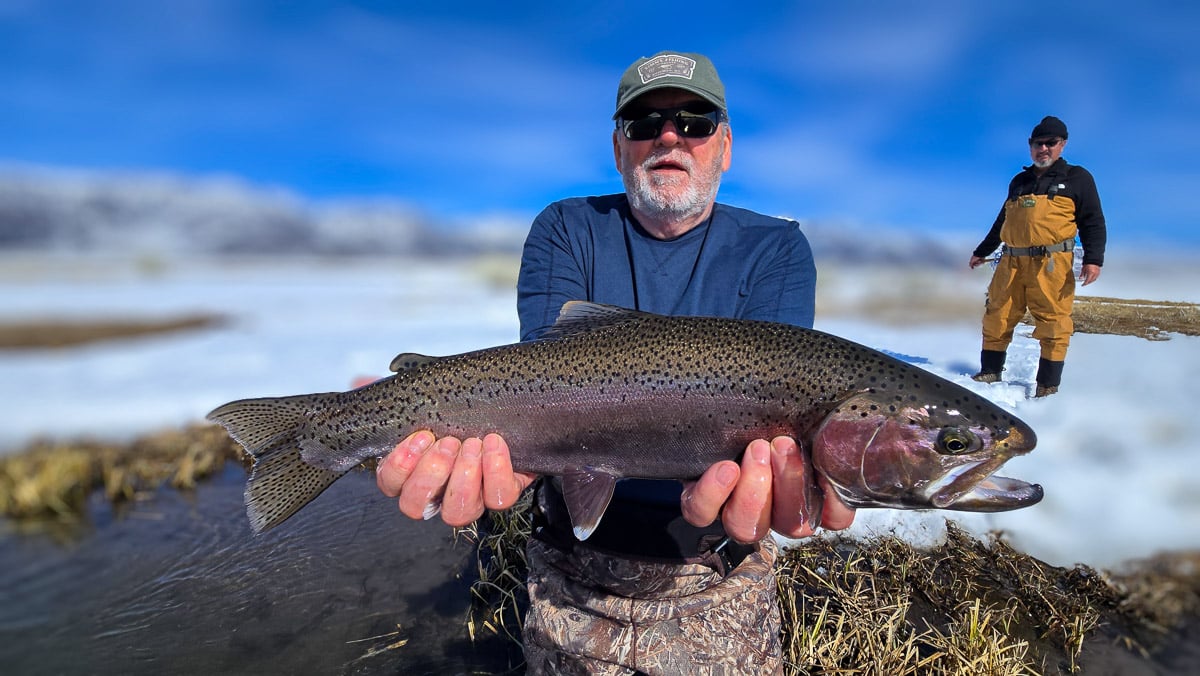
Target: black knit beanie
{"type": "Point", "coordinates": [1049, 126]}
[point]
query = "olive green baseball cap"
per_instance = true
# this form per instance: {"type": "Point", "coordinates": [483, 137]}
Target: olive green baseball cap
{"type": "Point", "coordinates": [676, 70]}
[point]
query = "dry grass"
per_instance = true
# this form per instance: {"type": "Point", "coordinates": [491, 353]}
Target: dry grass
{"type": "Point", "coordinates": [498, 594]}
{"type": "Point", "coordinates": [49, 480]}
{"type": "Point", "coordinates": [897, 296]}
{"type": "Point", "coordinates": [54, 333]}
{"type": "Point", "coordinates": [1149, 319]}
{"type": "Point", "coordinates": [963, 608]}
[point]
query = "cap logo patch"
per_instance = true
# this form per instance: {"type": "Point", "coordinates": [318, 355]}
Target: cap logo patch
{"type": "Point", "coordinates": [667, 65]}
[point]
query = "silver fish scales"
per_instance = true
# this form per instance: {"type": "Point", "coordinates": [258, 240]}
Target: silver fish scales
{"type": "Point", "coordinates": [612, 393]}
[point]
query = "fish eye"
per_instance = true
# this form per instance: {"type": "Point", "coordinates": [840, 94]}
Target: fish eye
{"type": "Point", "coordinates": [955, 441]}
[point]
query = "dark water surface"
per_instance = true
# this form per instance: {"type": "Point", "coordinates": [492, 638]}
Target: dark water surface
{"type": "Point", "coordinates": [178, 584]}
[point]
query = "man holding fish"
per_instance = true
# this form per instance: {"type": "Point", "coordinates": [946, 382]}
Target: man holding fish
{"type": "Point", "coordinates": [666, 339]}
{"type": "Point", "coordinates": [698, 561]}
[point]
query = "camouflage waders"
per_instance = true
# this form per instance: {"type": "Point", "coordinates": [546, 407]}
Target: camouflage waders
{"type": "Point", "coordinates": [594, 613]}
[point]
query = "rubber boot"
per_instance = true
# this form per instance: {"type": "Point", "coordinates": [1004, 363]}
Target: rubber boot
{"type": "Point", "coordinates": [1049, 377]}
{"type": "Point", "coordinates": [991, 364]}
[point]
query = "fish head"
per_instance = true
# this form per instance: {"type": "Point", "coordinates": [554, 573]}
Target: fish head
{"type": "Point", "coordinates": [877, 449]}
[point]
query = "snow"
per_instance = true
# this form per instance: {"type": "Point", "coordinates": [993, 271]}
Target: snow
{"type": "Point", "coordinates": [1116, 454]}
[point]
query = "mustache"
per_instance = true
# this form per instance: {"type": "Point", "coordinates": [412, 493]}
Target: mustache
{"type": "Point", "coordinates": [669, 156]}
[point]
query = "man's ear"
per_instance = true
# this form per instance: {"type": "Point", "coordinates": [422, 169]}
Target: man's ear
{"type": "Point", "coordinates": [616, 151]}
{"type": "Point", "coordinates": [728, 134]}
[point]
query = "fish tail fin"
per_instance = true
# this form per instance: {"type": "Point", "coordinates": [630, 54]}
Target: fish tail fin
{"type": "Point", "coordinates": [270, 430]}
{"type": "Point", "coordinates": [281, 483]}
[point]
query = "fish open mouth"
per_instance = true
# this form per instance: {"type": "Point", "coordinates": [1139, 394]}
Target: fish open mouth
{"type": "Point", "coordinates": [973, 488]}
{"type": "Point", "coordinates": [997, 494]}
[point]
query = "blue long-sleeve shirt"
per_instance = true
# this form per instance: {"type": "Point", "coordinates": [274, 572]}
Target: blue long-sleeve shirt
{"type": "Point", "coordinates": [739, 264]}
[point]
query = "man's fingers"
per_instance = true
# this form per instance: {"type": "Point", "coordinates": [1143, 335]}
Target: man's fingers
{"type": "Point", "coordinates": [501, 486]}
{"type": "Point", "coordinates": [747, 514]}
{"type": "Point", "coordinates": [463, 502]}
{"type": "Point", "coordinates": [836, 514]}
{"type": "Point", "coordinates": [702, 500]}
{"type": "Point", "coordinates": [395, 468]}
{"type": "Point", "coordinates": [421, 496]}
{"type": "Point", "coordinates": [789, 508]}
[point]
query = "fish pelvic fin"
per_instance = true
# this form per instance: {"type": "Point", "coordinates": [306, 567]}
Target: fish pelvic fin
{"type": "Point", "coordinates": [270, 431]}
{"type": "Point", "coordinates": [587, 492]}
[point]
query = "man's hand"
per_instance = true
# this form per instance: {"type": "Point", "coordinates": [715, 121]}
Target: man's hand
{"type": "Point", "coordinates": [1089, 273]}
{"type": "Point", "coordinates": [463, 478]}
{"type": "Point", "coordinates": [766, 492]}
{"type": "Point", "coordinates": [459, 478]}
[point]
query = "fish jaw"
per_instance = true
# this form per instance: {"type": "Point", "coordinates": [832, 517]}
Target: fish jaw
{"type": "Point", "coordinates": [880, 453]}
{"type": "Point", "coordinates": [992, 493]}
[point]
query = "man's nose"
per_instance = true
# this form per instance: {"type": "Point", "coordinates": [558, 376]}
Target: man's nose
{"type": "Point", "coordinates": [669, 135]}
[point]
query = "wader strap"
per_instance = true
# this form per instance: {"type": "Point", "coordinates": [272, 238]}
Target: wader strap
{"type": "Point", "coordinates": [1065, 245]}
{"type": "Point", "coordinates": [642, 532]}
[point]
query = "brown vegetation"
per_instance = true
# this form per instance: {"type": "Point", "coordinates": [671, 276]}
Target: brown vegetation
{"type": "Point", "coordinates": [52, 480]}
{"type": "Point", "coordinates": [1149, 319]}
{"type": "Point", "coordinates": [57, 333]}
{"type": "Point", "coordinates": [969, 607]}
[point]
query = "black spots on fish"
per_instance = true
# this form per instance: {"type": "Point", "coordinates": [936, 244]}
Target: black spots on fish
{"type": "Point", "coordinates": [862, 411]}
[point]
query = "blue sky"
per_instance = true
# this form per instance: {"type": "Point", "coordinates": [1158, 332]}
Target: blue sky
{"type": "Point", "coordinates": [883, 114]}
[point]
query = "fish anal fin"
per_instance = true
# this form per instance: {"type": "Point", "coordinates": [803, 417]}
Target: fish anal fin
{"type": "Point", "coordinates": [587, 492]}
{"type": "Point", "coordinates": [410, 360]}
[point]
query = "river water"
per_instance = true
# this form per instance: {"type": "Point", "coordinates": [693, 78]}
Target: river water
{"type": "Point", "coordinates": [179, 584]}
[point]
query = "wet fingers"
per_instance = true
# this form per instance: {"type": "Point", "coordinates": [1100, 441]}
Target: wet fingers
{"type": "Point", "coordinates": [421, 495]}
{"type": "Point", "coordinates": [395, 468]}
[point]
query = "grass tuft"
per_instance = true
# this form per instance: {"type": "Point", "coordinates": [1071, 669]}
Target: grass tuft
{"type": "Point", "coordinates": [52, 480]}
{"type": "Point", "coordinates": [1149, 319]}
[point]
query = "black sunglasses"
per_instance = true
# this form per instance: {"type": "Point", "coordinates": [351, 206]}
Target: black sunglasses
{"type": "Point", "coordinates": [1048, 142]}
{"type": "Point", "coordinates": [690, 122]}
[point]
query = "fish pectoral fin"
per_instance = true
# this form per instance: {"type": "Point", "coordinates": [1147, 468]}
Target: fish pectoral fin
{"type": "Point", "coordinates": [812, 498]}
{"type": "Point", "coordinates": [410, 360]}
{"type": "Point", "coordinates": [587, 492]}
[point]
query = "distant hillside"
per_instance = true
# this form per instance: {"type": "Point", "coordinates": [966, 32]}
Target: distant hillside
{"type": "Point", "coordinates": [158, 214]}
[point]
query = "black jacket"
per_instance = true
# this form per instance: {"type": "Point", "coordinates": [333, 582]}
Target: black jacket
{"type": "Point", "coordinates": [1068, 180]}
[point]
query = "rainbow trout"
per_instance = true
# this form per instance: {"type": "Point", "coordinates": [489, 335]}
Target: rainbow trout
{"type": "Point", "coordinates": [610, 393]}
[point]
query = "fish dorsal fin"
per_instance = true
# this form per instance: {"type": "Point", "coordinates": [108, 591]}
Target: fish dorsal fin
{"type": "Point", "coordinates": [581, 316]}
{"type": "Point", "coordinates": [587, 492]}
{"type": "Point", "coordinates": [410, 360]}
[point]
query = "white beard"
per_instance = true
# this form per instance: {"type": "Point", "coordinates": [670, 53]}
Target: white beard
{"type": "Point", "coordinates": [655, 198]}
